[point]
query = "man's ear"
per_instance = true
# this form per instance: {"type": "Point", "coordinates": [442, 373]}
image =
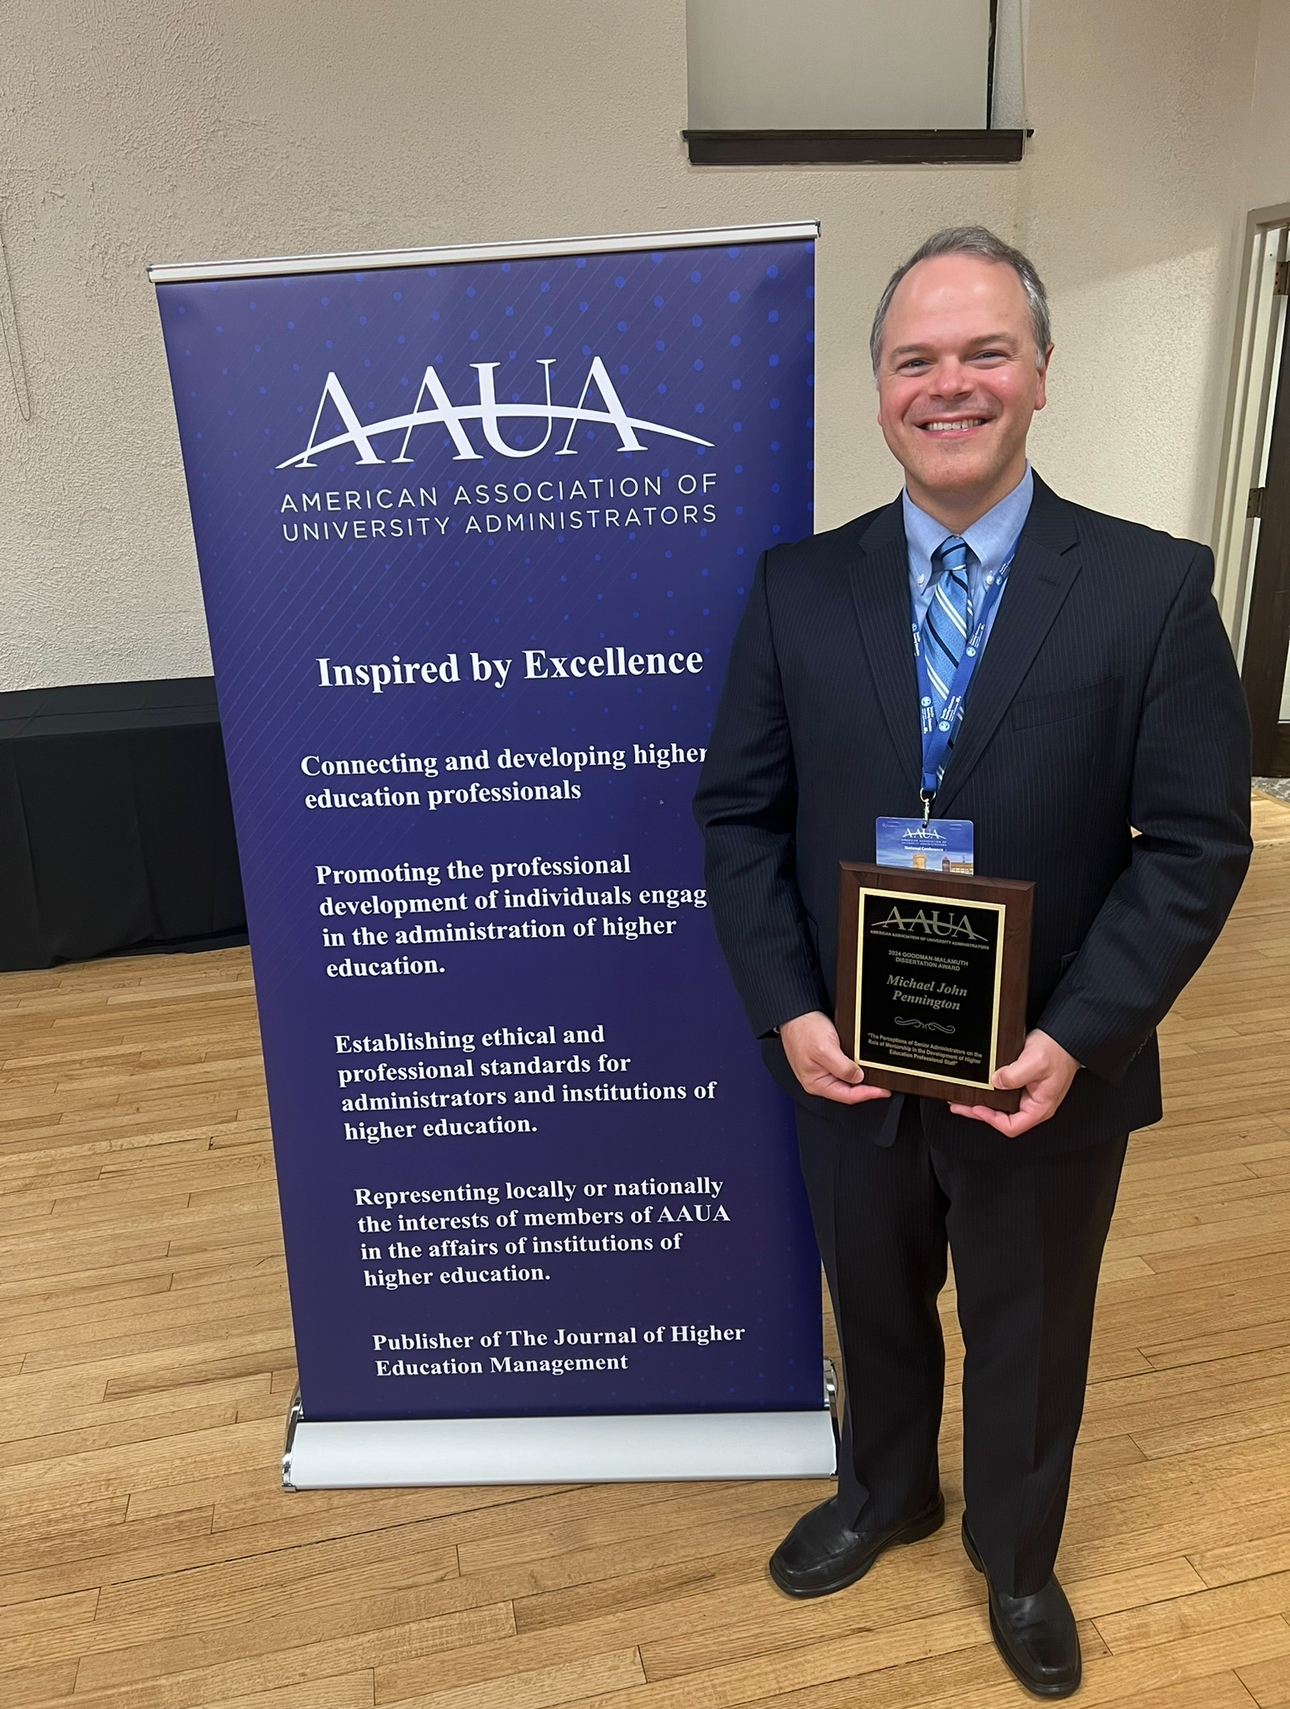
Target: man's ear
{"type": "Point", "coordinates": [1041, 394]}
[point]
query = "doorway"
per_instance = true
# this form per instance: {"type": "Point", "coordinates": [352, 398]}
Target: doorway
{"type": "Point", "coordinates": [1267, 633]}
{"type": "Point", "coordinates": [1254, 521]}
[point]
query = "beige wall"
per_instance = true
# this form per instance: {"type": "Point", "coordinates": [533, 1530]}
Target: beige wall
{"type": "Point", "coordinates": [1268, 179]}
{"type": "Point", "coordinates": [189, 129]}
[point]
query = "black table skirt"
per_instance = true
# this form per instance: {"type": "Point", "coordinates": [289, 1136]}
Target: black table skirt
{"type": "Point", "coordinates": [116, 832]}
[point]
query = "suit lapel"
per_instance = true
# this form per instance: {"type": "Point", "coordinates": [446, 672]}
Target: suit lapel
{"type": "Point", "coordinates": [1042, 576]}
{"type": "Point", "coordinates": [880, 589]}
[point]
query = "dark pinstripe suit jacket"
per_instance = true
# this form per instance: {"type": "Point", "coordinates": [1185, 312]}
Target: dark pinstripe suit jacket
{"type": "Point", "coordinates": [1107, 698]}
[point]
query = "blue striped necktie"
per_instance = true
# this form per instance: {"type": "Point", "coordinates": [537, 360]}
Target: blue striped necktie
{"type": "Point", "coordinates": [948, 620]}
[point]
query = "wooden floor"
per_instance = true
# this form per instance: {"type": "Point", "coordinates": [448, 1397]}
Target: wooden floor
{"type": "Point", "coordinates": [148, 1559]}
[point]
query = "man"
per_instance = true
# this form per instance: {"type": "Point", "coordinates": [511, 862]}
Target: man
{"type": "Point", "coordinates": [1103, 701]}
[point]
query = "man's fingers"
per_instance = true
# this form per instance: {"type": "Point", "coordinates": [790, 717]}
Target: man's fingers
{"type": "Point", "coordinates": [841, 1093]}
{"type": "Point", "coordinates": [1033, 1110]}
{"type": "Point", "coordinates": [1018, 1073]}
{"type": "Point", "coordinates": [977, 1113]}
{"type": "Point", "coordinates": [841, 1067]}
{"type": "Point", "coordinates": [1042, 1073]}
{"type": "Point", "coordinates": [822, 1067]}
{"type": "Point", "coordinates": [1008, 1125]}
{"type": "Point", "coordinates": [826, 1057]}
{"type": "Point", "coordinates": [1012, 1127]}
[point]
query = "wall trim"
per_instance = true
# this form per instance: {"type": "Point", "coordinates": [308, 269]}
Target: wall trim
{"type": "Point", "coordinates": [855, 148]}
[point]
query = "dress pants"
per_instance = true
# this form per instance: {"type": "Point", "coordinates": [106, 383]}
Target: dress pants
{"type": "Point", "coordinates": [1027, 1237]}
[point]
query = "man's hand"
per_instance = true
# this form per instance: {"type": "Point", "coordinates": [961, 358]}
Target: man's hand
{"type": "Point", "coordinates": [811, 1045]}
{"type": "Point", "coordinates": [1044, 1071]}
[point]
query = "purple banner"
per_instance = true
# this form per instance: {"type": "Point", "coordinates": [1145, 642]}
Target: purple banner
{"type": "Point", "coordinates": [474, 538]}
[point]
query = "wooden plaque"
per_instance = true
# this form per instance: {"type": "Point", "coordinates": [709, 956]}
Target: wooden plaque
{"type": "Point", "coordinates": [933, 970]}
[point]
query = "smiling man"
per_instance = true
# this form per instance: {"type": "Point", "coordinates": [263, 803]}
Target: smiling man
{"type": "Point", "coordinates": [1099, 697]}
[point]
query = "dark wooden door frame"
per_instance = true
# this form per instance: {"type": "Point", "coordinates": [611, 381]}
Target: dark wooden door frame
{"type": "Point", "coordinates": [1267, 631]}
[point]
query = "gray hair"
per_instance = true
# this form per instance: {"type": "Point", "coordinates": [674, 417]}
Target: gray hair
{"type": "Point", "coordinates": [971, 240]}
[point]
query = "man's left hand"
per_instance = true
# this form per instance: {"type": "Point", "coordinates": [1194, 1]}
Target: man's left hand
{"type": "Point", "coordinates": [1044, 1072]}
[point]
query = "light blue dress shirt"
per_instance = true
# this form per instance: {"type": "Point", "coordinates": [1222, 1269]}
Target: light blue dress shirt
{"type": "Point", "coordinates": [991, 537]}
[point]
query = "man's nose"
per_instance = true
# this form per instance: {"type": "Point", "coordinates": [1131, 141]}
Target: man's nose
{"type": "Point", "coordinates": [950, 380]}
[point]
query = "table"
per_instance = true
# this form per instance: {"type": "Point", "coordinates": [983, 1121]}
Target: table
{"type": "Point", "coordinates": [116, 832]}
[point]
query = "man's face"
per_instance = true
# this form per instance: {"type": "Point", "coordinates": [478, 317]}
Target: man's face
{"type": "Point", "coordinates": [958, 379]}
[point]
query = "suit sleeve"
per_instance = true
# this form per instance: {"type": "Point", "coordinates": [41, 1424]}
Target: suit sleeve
{"type": "Point", "coordinates": [1190, 802]}
{"type": "Point", "coordinates": [746, 807]}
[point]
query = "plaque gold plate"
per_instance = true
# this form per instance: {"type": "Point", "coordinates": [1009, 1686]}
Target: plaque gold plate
{"type": "Point", "coordinates": [933, 970]}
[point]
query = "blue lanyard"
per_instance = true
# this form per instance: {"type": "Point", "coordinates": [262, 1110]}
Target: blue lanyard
{"type": "Point", "coordinates": [939, 735]}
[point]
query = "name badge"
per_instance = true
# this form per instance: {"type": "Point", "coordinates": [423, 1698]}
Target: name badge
{"type": "Point", "coordinates": [940, 845]}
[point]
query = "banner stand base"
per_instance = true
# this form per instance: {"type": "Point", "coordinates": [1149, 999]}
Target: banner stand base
{"type": "Point", "coordinates": [640, 1448]}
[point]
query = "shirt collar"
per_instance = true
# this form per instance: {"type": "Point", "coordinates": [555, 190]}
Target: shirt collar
{"type": "Point", "coordinates": [991, 536]}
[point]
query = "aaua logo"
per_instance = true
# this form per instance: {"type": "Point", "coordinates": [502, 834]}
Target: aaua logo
{"type": "Point", "coordinates": [434, 405]}
{"type": "Point", "coordinates": [931, 923]}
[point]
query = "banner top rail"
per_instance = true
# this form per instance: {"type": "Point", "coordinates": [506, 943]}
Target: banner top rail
{"type": "Point", "coordinates": [268, 267]}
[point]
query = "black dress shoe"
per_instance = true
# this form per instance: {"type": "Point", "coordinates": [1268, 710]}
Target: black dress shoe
{"type": "Point", "coordinates": [1035, 1635]}
{"type": "Point", "coordinates": [821, 1554]}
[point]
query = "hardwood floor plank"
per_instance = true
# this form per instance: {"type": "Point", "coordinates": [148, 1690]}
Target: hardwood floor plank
{"type": "Point", "coordinates": [48, 1614]}
{"type": "Point", "coordinates": [56, 1562]}
{"type": "Point", "coordinates": [244, 1590]}
{"type": "Point", "coordinates": [1144, 1679]}
{"type": "Point", "coordinates": [1196, 1349]}
{"type": "Point", "coordinates": [339, 1691]}
{"type": "Point", "coordinates": [945, 1681]}
{"type": "Point", "coordinates": [687, 1512]}
{"type": "Point", "coordinates": [238, 1662]}
{"type": "Point", "coordinates": [205, 1365]}
{"type": "Point", "coordinates": [133, 1467]}
{"type": "Point", "coordinates": [704, 1577]}
{"type": "Point", "coordinates": [740, 1681]}
{"type": "Point", "coordinates": [1235, 1424]}
{"type": "Point", "coordinates": [116, 1434]}
{"type": "Point", "coordinates": [1250, 1558]}
{"type": "Point", "coordinates": [1268, 1682]}
{"type": "Point", "coordinates": [539, 1688]}
{"type": "Point", "coordinates": [1201, 1612]}
{"type": "Point", "coordinates": [487, 1510]}
{"type": "Point", "coordinates": [42, 1682]}
{"type": "Point", "coordinates": [883, 1602]}
{"type": "Point", "coordinates": [68, 1325]}
{"type": "Point", "coordinates": [970, 1679]}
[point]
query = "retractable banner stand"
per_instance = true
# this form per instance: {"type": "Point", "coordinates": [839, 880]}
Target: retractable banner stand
{"type": "Point", "coordinates": [475, 529]}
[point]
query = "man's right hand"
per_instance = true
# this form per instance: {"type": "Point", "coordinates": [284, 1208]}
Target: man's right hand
{"type": "Point", "coordinates": [814, 1054]}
